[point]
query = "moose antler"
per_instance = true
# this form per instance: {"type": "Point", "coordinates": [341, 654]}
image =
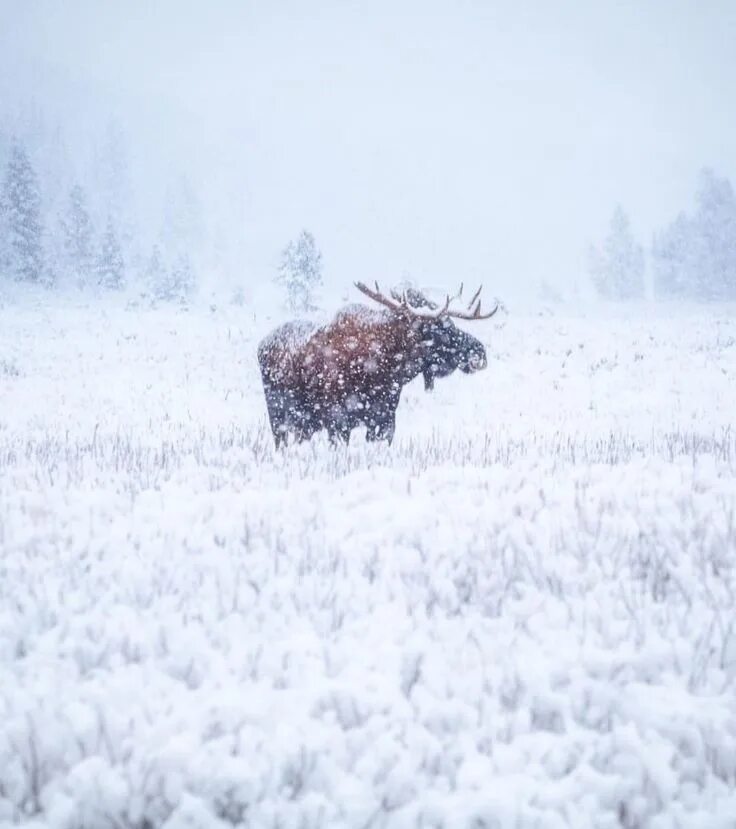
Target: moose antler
{"type": "Point", "coordinates": [396, 304]}
{"type": "Point", "coordinates": [401, 304]}
{"type": "Point", "coordinates": [475, 296]}
{"type": "Point", "coordinates": [475, 313]}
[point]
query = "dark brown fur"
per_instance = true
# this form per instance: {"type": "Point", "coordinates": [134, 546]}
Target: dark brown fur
{"type": "Point", "coordinates": [351, 372]}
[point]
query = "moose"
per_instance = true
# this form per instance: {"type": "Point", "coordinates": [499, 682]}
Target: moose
{"type": "Point", "coordinates": [351, 372]}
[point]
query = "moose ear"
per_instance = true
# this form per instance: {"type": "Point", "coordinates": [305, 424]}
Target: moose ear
{"type": "Point", "coordinates": [428, 381]}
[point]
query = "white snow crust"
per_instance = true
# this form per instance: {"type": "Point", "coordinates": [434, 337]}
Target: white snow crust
{"type": "Point", "coordinates": [519, 615]}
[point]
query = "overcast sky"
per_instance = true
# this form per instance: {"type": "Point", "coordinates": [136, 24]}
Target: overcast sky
{"type": "Point", "coordinates": [449, 140]}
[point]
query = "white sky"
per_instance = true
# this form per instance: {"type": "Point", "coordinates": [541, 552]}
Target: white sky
{"type": "Point", "coordinates": [451, 140]}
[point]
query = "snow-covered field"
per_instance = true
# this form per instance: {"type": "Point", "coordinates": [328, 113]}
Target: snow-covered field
{"type": "Point", "coordinates": [520, 615]}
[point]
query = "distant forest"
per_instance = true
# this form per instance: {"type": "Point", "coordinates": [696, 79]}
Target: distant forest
{"type": "Point", "coordinates": [694, 257]}
{"type": "Point", "coordinates": [65, 227]}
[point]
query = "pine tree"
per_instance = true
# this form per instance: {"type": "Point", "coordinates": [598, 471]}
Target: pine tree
{"type": "Point", "coordinates": [78, 236]}
{"type": "Point", "coordinates": [182, 235]}
{"type": "Point", "coordinates": [156, 273]}
{"type": "Point", "coordinates": [114, 189]}
{"type": "Point", "coordinates": [714, 244]}
{"type": "Point", "coordinates": [696, 255]}
{"type": "Point", "coordinates": [110, 264]}
{"type": "Point", "coordinates": [183, 222]}
{"type": "Point", "coordinates": [672, 261]}
{"type": "Point", "coordinates": [170, 284]}
{"type": "Point", "coordinates": [617, 270]}
{"type": "Point", "coordinates": [182, 278]}
{"type": "Point", "coordinates": [300, 271]}
{"type": "Point", "coordinates": [21, 205]}
{"type": "Point", "coordinates": [5, 248]}
{"type": "Point", "coordinates": [113, 180]}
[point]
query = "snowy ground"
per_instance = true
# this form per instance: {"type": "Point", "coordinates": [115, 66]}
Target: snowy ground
{"type": "Point", "coordinates": [520, 615]}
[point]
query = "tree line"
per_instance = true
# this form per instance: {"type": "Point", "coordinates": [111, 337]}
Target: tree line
{"type": "Point", "coordinates": [694, 257]}
{"type": "Point", "coordinates": [85, 236]}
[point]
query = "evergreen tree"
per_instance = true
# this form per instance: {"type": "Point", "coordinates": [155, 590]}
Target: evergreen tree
{"type": "Point", "coordinates": [156, 273]}
{"type": "Point", "coordinates": [5, 248]}
{"type": "Point", "coordinates": [182, 235]}
{"type": "Point", "coordinates": [182, 278]}
{"type": "Point", "coordinates": [114, 190]}
{"type": "Point", "coordinates": [113, 180]}
{"type": "Point", "coordinates": [672, 261]}
{"type": "Point", "coordinates": [5, 252]}
{"type": "Point", "coordinates": [21, 207]}
{"type": "Point", "coordinates": [696, 255]}
{"type": "Point", "coordinates": [300, 272]}
{"type": "Point", "coordinates": [617, 270]}
{"type": "Point", "coordinates": [78, 233]}
{"type": "Point", "coordinates": [714, 245]}
{"type": "Point", "coordinates": [110, 264]}
{"type": "Point", "coordinates": [183, 223]}
{"type": "Point", "coordinates": [170, 284]}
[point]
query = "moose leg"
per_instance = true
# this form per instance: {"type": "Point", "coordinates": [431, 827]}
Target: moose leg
{"type": "Point", "coordinates": [388, 427]}
{"type": "Point", "coordinates": [276, 414]}
{"type": "Point", "coordinates": [339, 434]}
{"type": "Point", "coordinates": [382, 421]}
{"type": "Point", "coordinates": [382, 428]}
{"type": "Point", "coordinates": [339, 425]}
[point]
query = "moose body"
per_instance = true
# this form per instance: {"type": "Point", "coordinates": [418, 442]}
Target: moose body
{"type": "Point", "coordinates": [351, 372]}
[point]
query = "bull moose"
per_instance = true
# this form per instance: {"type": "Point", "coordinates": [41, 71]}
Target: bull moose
{"type": "Point", "coordinates": [351, 372]}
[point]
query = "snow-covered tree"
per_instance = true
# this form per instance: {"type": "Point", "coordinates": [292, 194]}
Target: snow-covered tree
{"type": "Point", "coordinates": [672, 262]}
{"type": "Point", "coordinates": [300, 272]}
{"type": "Point", "coordinates": [155, 273]}
{"type": "Point", "coordinates": [715, 240]}
{"type": "Point", "coordinates": [182, 278]}
{"type": "Point", "coordinates": [114, 190]}
{"type": "Point", "coordinates": [182, 238]}
{"type": "Point", "coordinates": [183, 224]}
{"type": "Point", "coordinates": [5, 247]}
{"type": "Point", "coordinates": [21, 208]}
{"type": "Point", "coordinates": [617, 269]}
{"type": "Point", "coordinates": [173, 283]}
{"type": "Point", "coordinates": [78, 237]}
{"type": "Point", "coordinates": [110, 263]}
{"type": "Point", "coordinates": [696, 255]}
{"type": "Point", "coordinates": [113, 177]}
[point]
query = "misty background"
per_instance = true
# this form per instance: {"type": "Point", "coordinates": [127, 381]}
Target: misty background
{"type": "Point", "coordinates": [438, 141]}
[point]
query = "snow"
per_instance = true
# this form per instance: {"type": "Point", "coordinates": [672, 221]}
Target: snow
{"type": "Point", "coordinates": [291, 335]}
{"type": "Point", "coordinates": [519, 615]}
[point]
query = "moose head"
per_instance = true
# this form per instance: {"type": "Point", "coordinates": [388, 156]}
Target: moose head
{"type": "Point", "coordinates": [441, 347]}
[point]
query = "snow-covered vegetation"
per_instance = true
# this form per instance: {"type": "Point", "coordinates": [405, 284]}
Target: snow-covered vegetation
{"type": "Point", "coordinates": [521, 612]}
{"type": "Point", "coordinates": [519, 615]}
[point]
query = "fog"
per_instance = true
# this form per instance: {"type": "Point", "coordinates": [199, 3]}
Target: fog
{"type": "Point", "coordinates": [440, 140]}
